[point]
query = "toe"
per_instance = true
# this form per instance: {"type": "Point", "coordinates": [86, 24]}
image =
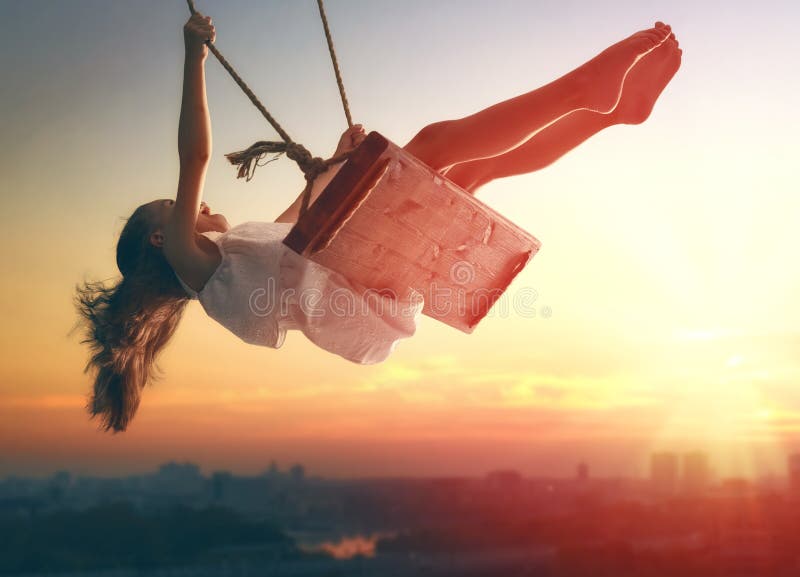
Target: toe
{"type": "Point", "coordinates": [675, 59]}
{"type": "Point", "coordinates": [646, 43]}
{"type": "Point", "coordinates": [653, 35]}
{"type": "Point", "coordinates": [642, 41]}
{"type": "Point", "coordinates": [659, 34]}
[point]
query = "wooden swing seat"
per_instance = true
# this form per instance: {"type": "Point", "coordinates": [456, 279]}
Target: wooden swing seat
{"type": "Point", "coordinates": [391, 223]}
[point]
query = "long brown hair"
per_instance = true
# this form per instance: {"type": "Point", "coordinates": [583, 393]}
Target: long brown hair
{"type": "Point", "coordinates": [128, 322]}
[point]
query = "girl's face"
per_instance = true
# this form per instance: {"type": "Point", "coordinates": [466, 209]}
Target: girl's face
{"type": "Point", "coordinates": [206, 222]}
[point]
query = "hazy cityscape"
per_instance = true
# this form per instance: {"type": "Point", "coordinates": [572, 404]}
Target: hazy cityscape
{"type": "Point", "coordinates": [678, 520]}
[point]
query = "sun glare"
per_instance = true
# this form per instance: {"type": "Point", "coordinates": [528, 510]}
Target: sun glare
{"type": "Point", "coordinates": [720, 406]}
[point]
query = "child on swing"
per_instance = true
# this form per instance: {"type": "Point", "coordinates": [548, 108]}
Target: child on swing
{"type": "Point", "coordinates": [174, 250]}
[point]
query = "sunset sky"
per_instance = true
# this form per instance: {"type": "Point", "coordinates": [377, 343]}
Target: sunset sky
{"type": "Point", "coordinates": [668, 257]}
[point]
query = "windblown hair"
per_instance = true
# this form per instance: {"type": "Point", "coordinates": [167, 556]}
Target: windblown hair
{"type": "Point", "coordinates": [128, 323]}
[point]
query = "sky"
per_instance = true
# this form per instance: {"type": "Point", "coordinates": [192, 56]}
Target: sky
{"type": "Point", "coordinates": [666, 285]}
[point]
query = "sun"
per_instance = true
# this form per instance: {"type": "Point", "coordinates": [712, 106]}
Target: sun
{"type": "Point", "coordinates": [719, 405]}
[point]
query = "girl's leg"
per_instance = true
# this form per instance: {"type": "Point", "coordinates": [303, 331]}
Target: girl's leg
{"type": "Point", "coordinates": [546, 147]}
{"type": "Point", "coordinates": [595, 85]}
{"type": "Point", "coordinates": [642, 87]}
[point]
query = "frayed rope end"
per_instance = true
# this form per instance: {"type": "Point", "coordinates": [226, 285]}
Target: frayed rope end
{"type": "Point", "coordinates": [252, 157]}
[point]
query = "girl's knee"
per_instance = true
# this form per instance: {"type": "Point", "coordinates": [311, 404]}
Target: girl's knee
{"type": "Point", "coordinates": [431, 144]}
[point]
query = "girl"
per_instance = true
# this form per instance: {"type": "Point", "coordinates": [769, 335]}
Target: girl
{"type": "Point", "coordinates": [172, 251]}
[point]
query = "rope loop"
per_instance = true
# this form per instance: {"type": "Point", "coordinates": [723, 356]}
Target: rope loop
{"type": "Point", "coordinates": [252, 157]}
{"type": "Point", "coordinates": [312, 166]}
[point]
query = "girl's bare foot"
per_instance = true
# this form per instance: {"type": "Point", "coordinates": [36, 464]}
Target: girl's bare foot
{"type": "Point", "coordinates": [646, 80]}
{"type": "Point", "coordinates": [603, 76]}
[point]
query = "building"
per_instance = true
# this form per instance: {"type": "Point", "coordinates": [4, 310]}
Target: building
{"type": "Point", "coordinates": [178, 479]}
{"type": "Point", "coordinates": [297, 473]}
{"type": "Point", "coordinates": [794, 473]}
{"type": "Point", "coordinates": [504, 480]}
{"type": "Point", "coordinates": [664, 473]}
{"type": "Point", "coordinates": [583, 472]}
{"type": "Point", "coordinates": [696, 473]}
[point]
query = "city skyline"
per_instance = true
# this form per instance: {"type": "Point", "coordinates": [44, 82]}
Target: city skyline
{"type": "Point", "coordinates": [285, 522]}
{"type": "Point", "coordinates": [669, 472]}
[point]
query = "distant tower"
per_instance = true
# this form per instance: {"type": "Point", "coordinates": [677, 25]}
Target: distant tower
{"type": "Point", "coordinates": [794, 473]}
{"type": "Point", "coordinates": [583, 472]}
{"type": "Point", "coordinates": [273, 470]}
{"type": "Point", "coordinates": [696, 473]}
{"type": "Point", "coordinates": [179, 479]}
{"type": "Point", "coordinates": [297, 473]}
{"type": "Point", "coordinates": [59, 484]}
{"type": "Point", "coordinates": [664, 472]}
{"type": "Point", "coordinates": [220, 485]}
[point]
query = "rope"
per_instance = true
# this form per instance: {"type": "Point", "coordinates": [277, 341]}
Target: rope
{"type": "Point", "coordinates": [253, 156]}
{"type": "Point", "coordinates": [245, 88]}
{"type": "Point", "coordinates": [249, 159]}
{"type": "Point", "coordinates": [335, 63]}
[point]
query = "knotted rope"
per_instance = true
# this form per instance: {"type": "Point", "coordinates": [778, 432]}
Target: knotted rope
{"type": "Point", "coordinates": [312, 166]}
{"type": "Point", "coordinates": [252, 157]}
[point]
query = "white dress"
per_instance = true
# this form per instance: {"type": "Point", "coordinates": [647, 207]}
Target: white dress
{"type": "Point", "coordinates": [262, 288]}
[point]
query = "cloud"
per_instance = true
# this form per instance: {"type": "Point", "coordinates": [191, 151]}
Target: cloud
{"type": "Point", "coordinates": [448, 381]}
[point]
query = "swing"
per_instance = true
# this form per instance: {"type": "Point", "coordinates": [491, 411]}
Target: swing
{"type": "Point", "coordinates": [392, 224]}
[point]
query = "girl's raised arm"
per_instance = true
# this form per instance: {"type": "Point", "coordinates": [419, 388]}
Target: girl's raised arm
{"type": "Point", "coordinates": [194, 136]}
